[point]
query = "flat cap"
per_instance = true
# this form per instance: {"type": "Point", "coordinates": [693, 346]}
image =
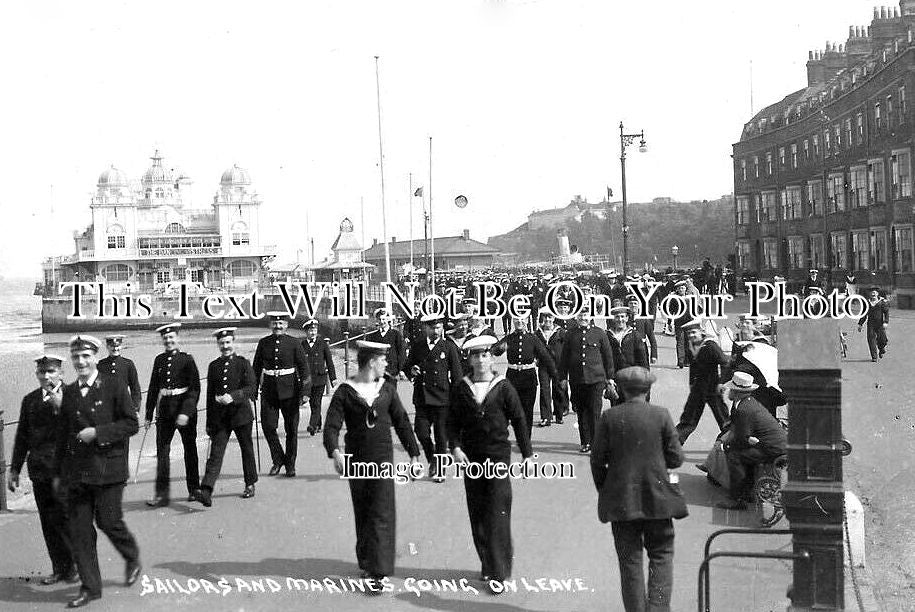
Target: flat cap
{"type": "Point", "coordinates": [635, 378]}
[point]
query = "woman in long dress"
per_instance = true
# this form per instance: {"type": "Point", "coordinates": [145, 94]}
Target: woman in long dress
{"type": "Point", "coordinates": [483, 405]}
{"type": "Point", "coordinates": [369, 405]}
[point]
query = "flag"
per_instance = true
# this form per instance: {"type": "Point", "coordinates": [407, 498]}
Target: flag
{"type": "Point", "coordinates": [418, 193]}
{"type": "Point", "coordinates": [609, 193]}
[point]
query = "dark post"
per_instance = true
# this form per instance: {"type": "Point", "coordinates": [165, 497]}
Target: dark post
{"type": "Point", "coordinates": [3, 506]}
{"type": "Point", "coordinates": [346, 354]}
{"type": "Point", "coordinates": [810, 376]}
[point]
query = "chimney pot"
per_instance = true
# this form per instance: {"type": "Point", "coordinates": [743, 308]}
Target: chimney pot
{"type": "Point", "coordinates": [466, 234]}
{"type": "Point", "coordinates": [876, 13]}
{"type": "Point", "coordinates": [393, 239]}
{"type": "Point", "coordinates": [374, 241]}
{"type": "Point", "coordinates": [809, 55]}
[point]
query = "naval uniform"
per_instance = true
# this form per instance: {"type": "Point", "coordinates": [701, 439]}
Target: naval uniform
{"type": "Point", "coordinates": [175, 387]}
{"type": "Point", "coordinates": [629, 350]}
{"type": "Point", "coordinates": [554, 396]}
{"type": "Point", "coordinates": [368, 439]}
{"type": "Point", "coordinates": [522, 348]}
{"type": "Point", "coordinates": [96, 472]}
{"type": "Point", "coordinates": [587, 361]}
{"type": "Point", "coordinates": [703, 388]}
{"type": "Point", "coordinates": [321, 368]}
{"type": "Point", "coordinates": [440, 368]}
{"type": "Point", "coordinates": [397, 355]}
{"type": "Point", "coordinates": [36, 443]}
{"type": "Point", "coordinates": [123, 369]}
{"type": "Point", "coordinates": [282, 362]}
{"type": "Point", "coordinates": [478, 422]}
{"type": "Point", "coordinates": [876, 317]}
{"type": "Point", "coordinates": [235, 376]}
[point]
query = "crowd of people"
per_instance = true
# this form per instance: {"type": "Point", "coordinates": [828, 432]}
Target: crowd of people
{"type": "Point", "coordinates": [74, 436]}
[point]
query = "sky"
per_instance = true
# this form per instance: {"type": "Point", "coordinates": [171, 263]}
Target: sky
{"type": "Point", "coordinates": [522, 100]}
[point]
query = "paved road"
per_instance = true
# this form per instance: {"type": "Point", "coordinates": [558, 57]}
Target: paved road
{"type": "Point", "coordinates": [303, 528]}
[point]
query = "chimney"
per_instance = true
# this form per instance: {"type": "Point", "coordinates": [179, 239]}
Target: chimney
{"type": "Point", "coordinates": [374, 241]}
{"type": "Point", "coordinates": [393, 239]}
{"type": "Point", "coordinates": [466, 234]}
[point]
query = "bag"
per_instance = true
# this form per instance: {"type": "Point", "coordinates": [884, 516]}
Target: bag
{"type": "Point", "coordinates": [717, 464]}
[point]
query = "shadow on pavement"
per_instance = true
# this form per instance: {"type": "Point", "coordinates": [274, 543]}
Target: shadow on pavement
{"type": "Point", "coordinates": [19, 590]}
{"type": "Point", "coordinates": [429, 601]}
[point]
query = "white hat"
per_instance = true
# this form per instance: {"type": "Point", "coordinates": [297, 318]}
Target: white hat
{"type": "Point", "coordinates": [431, 318]}
{"type": "Point", "coordinates": [478, 344]}
{"type": "Point", "coordinates": [81, 342]}
{"type": "Point", "coordinates": [742, 382]}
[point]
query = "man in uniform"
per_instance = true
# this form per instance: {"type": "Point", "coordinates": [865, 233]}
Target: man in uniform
{"type": "Point", "coordinates": [681, 289]}
{"type": "Point", "coordinates": [645, 327]}
{"type": "Point", "coordinates": [321, 368]}
{"type": "Point", "coordinates": [554, 393]}
{"type": "Point", "coordinates": [813, 284]}
{"type": "Point", "coordinates": [388, 334]}
{"type": "Point", "coordinates": [587, 361]}
{"type": "Point", "coordinates": [36, 442]}
{"type": "Point", "coordinates": [121, 367]}
{"type": "Point", "coordinates": [628, 345]}
{"type": "Point", "coordinates": [704, 357]}
{"type": "Point", "coordinates": [97, 421]}
{"type": "Point", "coordinates": [526, 355]}
{"type": "Point", "coordinates": [230, 391]}
{"type": "Point", "coordinates": [877, 318]}
{"type": "Point", "coordinates": [174, 387]}
{"type": "Point", "coordinates": [281, 360]}
{"type": "Point", "coordinates": [434, 366]}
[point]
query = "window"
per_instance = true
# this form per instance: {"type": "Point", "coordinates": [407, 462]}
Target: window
{"type": "Point", "coordinates": [759, 208]}
{"type": "Point", "coordinates": [241, 268]}
{"type": "Point", "coordinates": [860, 250]}
{"type": "Point", "coordinates": [179, 274]}
{"type": "Point", "coordinates": [160, 193]}
{"type": "Point", "coordinates": [770, 253]}
{"type": "Point", "coordinates": [743, 210]}
{"type": "Point", "coordinates": [743, 255]}
{"type": "Point", "coordinates": [902, 105]}
{"type": "Point", "coordinates": [756, 166]}
{"type": "Point", "coordinates": [857, 189]}
{"type": "Point", "coordinates": [116, 273]}
{"type": "Point", "coordinates": [848, 140]}
{"type": "Point", "coordinates": [198, 276]}
{"type": "Point", "coordinates": [827, 146]}
{"type": "Point", "coordinates": [889, 111]}
{"type": "Point", "coordinates": [816, 251]}
{"type": "Point", "coordinates": [878, 118]}
{"type": "Point", "coordinates": [239, 233]}
{"type": "Point", "coordinates": [903, 253]}
{"type": "Point", "coordinates": [791, 202]}
{"type": "Point", "coordinates": [794, 156]}
{"type": "Point", "coordinates": [796, 252]}
{"type": "Point", "coordinates": [174, 228]}
{"type": "Point", "coordinates": [116, 238]}
{"type": "Point", "coordinates": [859, 128]}
{"type": "Point", "coordinates": [837, 129]}
{"type": "Point", "coordinates": [876, 182]}
{"type": "Point", "coordinates": [835, 193]}
{"type": "Point", "coordinates": [815, 197]}
{"type": "Point", "coordinates": [743, 169]}
{"type": "Point", "coordinates": [816, 145]}
{"type": "Point", "coordinates": [770, 206]}
{"type": "Point", "coordinates": [806, 150]}
{"type": "Point", "coordinates": [768, 164]}
{"type": "Point", "coordinates": [163, 276]}
{"type": "Point", "coordinates": [901, 170]}
{"type": "Point", "coordinates": [839, 250]}
{"type": "Point", "coordinates": [781, 157]}
{"type": "Point", "coordinates": [877, 259]}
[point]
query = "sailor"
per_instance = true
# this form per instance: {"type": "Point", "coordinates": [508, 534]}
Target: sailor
{"type": "Point", "coordinates": [386, 333]}
{"type": "Point", "coordinates": [554, 393]}
{"type": "Point", "coordinates": [704, 357]}
{"type": "Point", "coordinates": [121, 367]}
{"type": "Point", "coordinates": [174, 388]}
{"type": "Point", "coordinates": [434, 366]}
{"type": "Point", "coordinates": [877, 318]}
{"type": "Point", "coordinates": [813, 284]}
{"type": "Point", "coordinates": [36, 443]}
{"type": "Point", "coordinates": [97, 421]}
{"type": "Point", "coordinates": [282, 362]}
{"type": "Point", "coordinates": [681, 288]}
{"type": "Point", "coordinates": [230, 391]}
{"type": "Point", "coordinates": [646, 328]}
{"type": "Point", "coordinates": [321, 368]}
{"type": "Point", "coordinates": [629, 347]}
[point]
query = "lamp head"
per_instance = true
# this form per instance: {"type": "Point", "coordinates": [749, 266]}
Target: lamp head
{"type": "Point", "coordinates": [643, 146]}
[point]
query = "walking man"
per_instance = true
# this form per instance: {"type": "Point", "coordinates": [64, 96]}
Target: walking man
{"type": "Point", "coordinates": [877, 319]}
{"type": "Point", "coordinates": [174, 387]}
{"type": "Point", "coordinates": [121, 367]}
{"type": "Point", "coordinates": [281, 360]}
{"type": "Point", "coordinates": [321, 368]}
{"type": "Point", "coordinates": [704, 357]}
{"type": "Point", "coordinates": [230, 391]}
{"type": "Point", "coordinates": [97, 421]}
{"type": "Point", "coordinates": [390, 335]}
{"type": "Point", "coordinates": [36, 443]}
{"type": "Point", "coordinates": [554, 392]}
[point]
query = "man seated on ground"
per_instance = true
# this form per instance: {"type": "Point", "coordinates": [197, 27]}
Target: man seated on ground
{"type": "Point", "coordinates": [756, 437]}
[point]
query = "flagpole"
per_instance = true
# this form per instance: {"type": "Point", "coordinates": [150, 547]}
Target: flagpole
{"type": "Point", "coordinates": [362, 223]}
{"type": "Point", "coordinates": [410, 195]}
{"type": "Point", "coordinates": [431, 230]}
{"type": "Point", "coordinates": [384, 219]}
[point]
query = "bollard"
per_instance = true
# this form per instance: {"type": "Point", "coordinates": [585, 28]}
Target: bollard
{"type": "Point", "coordinates": [3, 506]}
{"type": "Point", "coordinates": [346, 354]}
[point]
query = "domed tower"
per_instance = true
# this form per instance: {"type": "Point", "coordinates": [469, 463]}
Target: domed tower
{"type": "Point", "coordinates": [158, 184]}
{"type": "Point", "coordinates": [113, 213]}
{"type": "Point", "coordinates": [113, 182]}
{"type": "Point", "coordinates": [237, 209]}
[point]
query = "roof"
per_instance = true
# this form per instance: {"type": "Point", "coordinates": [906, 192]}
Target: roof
{"type": "Point", "coordinates": [346, 241]}
{"type": "Point", "coordinates": [448, 245]}
{"type": "Point", "coordinates": [329, 264]}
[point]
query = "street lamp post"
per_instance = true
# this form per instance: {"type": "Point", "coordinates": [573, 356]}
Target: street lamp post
{"type": "Point", "coordinates": [675, 250]}
{"type": "Point", "coordinates": [625, 141]}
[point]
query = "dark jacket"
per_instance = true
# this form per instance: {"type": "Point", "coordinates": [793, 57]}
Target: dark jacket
{"type": "Point", "coordinates": [646, 328]}
{"type": "Point", "coordinates": [876, 315]}
{"type": "Point", "coordinates": [555, 343]}
{"type": "Point", "coordinates": [634, 446]}
{"type": "Point", "coordinates": [632, 351]}
{"type": "Point", "coordinates": [281, 353]}
{"type": "Point", "coordinates": [235, 376]}
{"type": "Point", "coordinates": [440, 369]}
{"type": "Point", "coordinates": [173, 370]}
{"type": "Point", "coordinates": [523, 348]}
{"type": "Point", "coordinates": [587, 357]}
{"type": "Point", "coordinates": [750, 418]}
{"type": "Point", "coordinates": [125, 370]}
{"type": "Point", "coordinates": [36, 436]}
{"type": "Point", "coordinates": [482, 430]}
{"type": "Point", "coordinates": [320, 362]}
{"type": "Point", "coordinates": [397, 355]}
{"type": "Point", "coordinates": [703, 368]}
{"type": "Point", "coordinates": [107, 407]}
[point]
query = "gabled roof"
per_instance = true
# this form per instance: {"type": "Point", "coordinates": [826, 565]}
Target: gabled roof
{"type": "Point", "coordinates": [346, 241]}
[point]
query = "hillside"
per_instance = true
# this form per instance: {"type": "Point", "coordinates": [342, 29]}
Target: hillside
{"type": "Point", "coordinates": [700, 229]}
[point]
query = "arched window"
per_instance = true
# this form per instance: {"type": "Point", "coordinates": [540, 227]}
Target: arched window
{"type": "Point", "coordinates": [241, 268]}
{"type": "Point", "coordinates": [116, 239]}
{"type": "Point", "coordinates": [116, 273]}
{"type": "Point", "coordinates": [160, 193]}
{"type": "Point", "coordinates": [174, 228]}
{"type": "Point", "coordinates": [240, 233]}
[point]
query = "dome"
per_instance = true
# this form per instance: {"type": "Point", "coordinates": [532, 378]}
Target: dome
{"type": "Point", "coordinates": [156, 173]}
{"type": "Point", "coordinates": [112, 177]}
{"type": "Point", "coordinates": [235, 176]}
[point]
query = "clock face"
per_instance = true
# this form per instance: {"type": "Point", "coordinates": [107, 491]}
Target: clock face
{"type": "Point", "coordinates": [460, 201]}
